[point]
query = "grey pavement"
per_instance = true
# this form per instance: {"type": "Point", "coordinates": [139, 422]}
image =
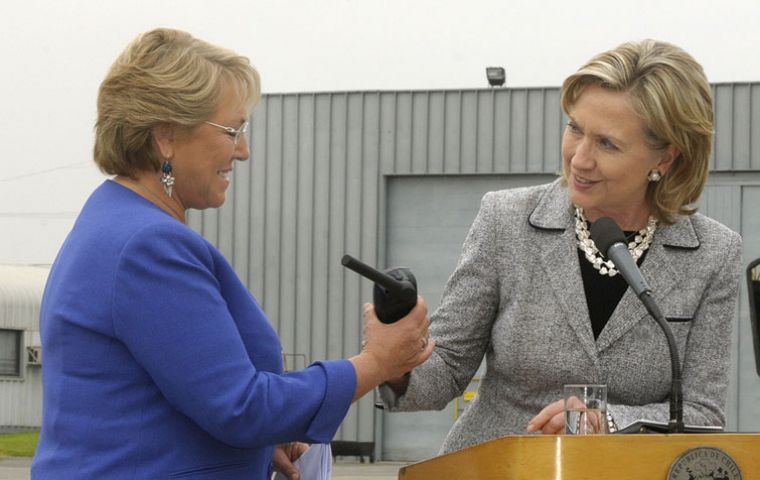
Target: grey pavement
{"type": "Point", "coordinates": [14, 468]}
{"type": "Point", "coordinates": [18, 469]}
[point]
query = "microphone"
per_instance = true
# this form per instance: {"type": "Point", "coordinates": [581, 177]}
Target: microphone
{"type": "Point", "coordinates": [610, 240]}
{"type": "Point", "coordinates": [395, 291]}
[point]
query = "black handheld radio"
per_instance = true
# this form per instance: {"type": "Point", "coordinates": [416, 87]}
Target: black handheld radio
{"type": "Point", "coordinates": [395, 291]}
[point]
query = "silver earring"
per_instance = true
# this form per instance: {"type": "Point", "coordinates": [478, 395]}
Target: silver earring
{"type": "Point", "coordinates": [654, 176]}
{"type": "Point", "coordinates": [167, 179]}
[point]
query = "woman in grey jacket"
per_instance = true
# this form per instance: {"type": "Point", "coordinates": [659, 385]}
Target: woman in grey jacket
{"type": "Point", "coordinates": [546, 309]}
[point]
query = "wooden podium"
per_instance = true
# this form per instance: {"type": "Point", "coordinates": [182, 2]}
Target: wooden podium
{"type": "Point", "coordinates": [568, 457]}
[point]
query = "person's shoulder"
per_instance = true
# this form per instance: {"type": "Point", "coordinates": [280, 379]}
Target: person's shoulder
{"type": "Point", "coordinates": [521, 197]}
{"type": "Point", "coordinates": [163, 232]}
{"type": "Point", "coordinates": [712, 232]}
{"type": "Point", "coordinates": [139, 225]}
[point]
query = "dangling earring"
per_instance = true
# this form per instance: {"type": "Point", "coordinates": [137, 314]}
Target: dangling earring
{"type": "Point", "coordinates": [167, 179]}
{"type": "Point", "coordinates": [654, 176]}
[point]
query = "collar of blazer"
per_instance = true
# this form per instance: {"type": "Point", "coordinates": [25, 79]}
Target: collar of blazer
{"type": "Point", "coordinates": [554, 211]}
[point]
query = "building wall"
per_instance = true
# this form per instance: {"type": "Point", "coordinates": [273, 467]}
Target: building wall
{"type": "Point", "coordinates": [20, 294]}
{"type": "Point", "coordinates": [315, 188]}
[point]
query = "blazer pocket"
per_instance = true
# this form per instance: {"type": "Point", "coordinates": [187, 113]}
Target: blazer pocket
{"type": "Point", "coordinates": [208, 469]}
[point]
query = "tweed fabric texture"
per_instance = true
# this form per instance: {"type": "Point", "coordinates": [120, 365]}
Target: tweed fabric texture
{"type": "Point", "coordinates": [516, 298]}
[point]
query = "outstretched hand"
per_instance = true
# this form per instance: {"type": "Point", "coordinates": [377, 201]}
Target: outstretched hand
{"type": "Point", "coordinates": [399, 346]}
{"type": "Point", "coordinates": [391, 350]}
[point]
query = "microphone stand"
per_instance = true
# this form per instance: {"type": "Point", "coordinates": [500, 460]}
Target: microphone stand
{"type": "Point", "coordinates": [610, 240]}
{"type": "Point", "coordinates": [675, 424]}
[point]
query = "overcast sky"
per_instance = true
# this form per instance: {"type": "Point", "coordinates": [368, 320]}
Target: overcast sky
{"type": "Point", "coordinates": [55, 53]}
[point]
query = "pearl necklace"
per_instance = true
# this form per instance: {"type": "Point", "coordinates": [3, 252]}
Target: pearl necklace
{"type": "Point", "coordinates": [637, 247]}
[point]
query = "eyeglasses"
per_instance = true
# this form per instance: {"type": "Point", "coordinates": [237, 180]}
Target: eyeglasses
{"type": "Point", "coordinates": [235, 134]}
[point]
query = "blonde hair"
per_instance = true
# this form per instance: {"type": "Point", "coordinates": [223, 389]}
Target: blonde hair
{"type": "Point", "coordinates": [669, 91]}
{"type": "Point", "coordinates": [163, 77]}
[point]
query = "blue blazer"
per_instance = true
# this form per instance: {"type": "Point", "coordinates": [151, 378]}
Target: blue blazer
{"type": "Point", "coordinates": [158, 361]}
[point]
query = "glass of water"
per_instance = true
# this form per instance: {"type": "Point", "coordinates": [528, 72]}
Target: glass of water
{"type": "Point", "coordinates": [585, 409]}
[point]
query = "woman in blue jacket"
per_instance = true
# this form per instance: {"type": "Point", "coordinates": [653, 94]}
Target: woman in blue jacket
{"type": "Point", "coordinates": [158, 361]}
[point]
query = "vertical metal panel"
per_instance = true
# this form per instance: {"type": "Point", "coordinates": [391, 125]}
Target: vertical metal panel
{"type": "Point", "coordinates": [502, 117]}
{"type": "Point", "coordinates": [210, 226]}
{"type": "Point", "coordinates": [436, 118]}
{"type": "Point", "coordinates": [754, 119]}
{"type": "Point", "coordinates": [314, 189]}
{"type": "Point", "coordinates": [722, 202]}
{"type": "Point", "coordinates": [336, 225]}
{"type": "Point", "coordinates": [518, 132]}
{"type": "Point", "coordinates": [553, 126]}
{"type": "Point", "coordinates": [737, 118]}
{"type": "Point", "coordinates": [337, 219]}
{"type": "Point", "coordinates": [258, 181]}
{"type": "Point", "coordinates": [322, 234]}
{"type": "Point", "coordinates": [225, 228]}
{"type": "Point", "coordinates": [722, 145]}
{"type": "Point", "coordinates": [485, 131]}
{"type": "Point", "coordinates": [749, 387]}
{"type": "Point", "coordinates": [239, 198]}
{"type": "Point", "coordinates": [288, 194]}
{"type": "Point", "coordinates": [388, 132]}
{"type": "Point", "coordinates": [536, 131]}
{"type": "Point", "coordinates": [304, 256]}
{"type": "Point", "coordinates": [452, 139]}
{"type": "Point", "coordinates": [272, 209]}
{"type": "Point", "coordinates": [468, 128]}
{"type": "Point", "coordinates": [741, 122]}
{"type": "Point", "coordinates": [420, 132]}
{"type": "Point", "coordinates": [403, 133]}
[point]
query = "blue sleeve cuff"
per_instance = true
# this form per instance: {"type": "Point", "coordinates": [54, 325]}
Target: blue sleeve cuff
{"type": "Point", "coordinates": [340, 386]}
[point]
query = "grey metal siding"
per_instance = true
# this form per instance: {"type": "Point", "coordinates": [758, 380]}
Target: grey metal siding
{"type": "Point", "coordinates": [21, 290]}
{"type": "Point", "coordinates": [747, 386]}
{"type": "Point", "coordinates": [737, 127]}
{"type": "Point", "coordinates": [314, 189]}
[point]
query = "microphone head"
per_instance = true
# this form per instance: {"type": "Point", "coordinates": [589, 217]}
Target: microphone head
{"type": "Point", "coordinates": [605, 233]}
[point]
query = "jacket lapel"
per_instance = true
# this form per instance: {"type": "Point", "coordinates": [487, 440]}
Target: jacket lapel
{"type": "Point", "coordinates": [658, 270]}
{"type": "Point", "coordinates": [559, 262]}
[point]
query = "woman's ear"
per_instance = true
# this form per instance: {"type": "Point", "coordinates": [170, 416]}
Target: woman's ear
{"type": "Point", "coordinates": [163, 137]}
{"type": "Point", "coordinates": [667, 158]}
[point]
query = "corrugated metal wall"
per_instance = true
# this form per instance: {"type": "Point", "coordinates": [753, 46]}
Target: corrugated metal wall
{"type": "Point", "coordinates": [20, 294]}
{"type": "Point", "coordinates": [737, 127]}
{"type": "Point", "coordinates": [315, 185]}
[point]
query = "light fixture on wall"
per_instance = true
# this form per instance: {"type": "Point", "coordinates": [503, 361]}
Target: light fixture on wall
{"type": "Point", "coordinates": [496, 76]}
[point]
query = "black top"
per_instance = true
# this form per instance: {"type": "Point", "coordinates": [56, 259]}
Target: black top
{"type": "Point", "coordinates": [603, 292]}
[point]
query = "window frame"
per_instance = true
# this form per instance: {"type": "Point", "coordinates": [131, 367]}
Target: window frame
{"type": "Point", "coordinates": [19, 375]}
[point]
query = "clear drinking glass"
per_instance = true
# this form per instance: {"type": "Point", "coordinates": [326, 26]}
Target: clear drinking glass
{"type": "Point", "coordinates": [585, 409]}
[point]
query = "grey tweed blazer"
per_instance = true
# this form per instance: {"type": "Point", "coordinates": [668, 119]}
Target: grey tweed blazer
{"type": "Point", "coordinates": [516, 296]}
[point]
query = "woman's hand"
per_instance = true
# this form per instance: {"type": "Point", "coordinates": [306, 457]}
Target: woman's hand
{"type": "Point", "coordinates": [550, 420]}
{"type": "Point", "coordinates": [399, 346]}
{"type": "Point", "coordinates": [284, 455]}
{"type": "Point", "coordinates": [390, 351]}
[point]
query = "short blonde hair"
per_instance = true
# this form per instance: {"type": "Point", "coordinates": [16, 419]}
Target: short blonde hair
{"type": "Point", "coordinates": [163, 77]}
{"type": "Point", "coordinates": [670, 92]}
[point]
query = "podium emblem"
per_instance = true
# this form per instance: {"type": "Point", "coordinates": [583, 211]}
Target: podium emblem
{"type": "Point", "coordinates": [704, 463]}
